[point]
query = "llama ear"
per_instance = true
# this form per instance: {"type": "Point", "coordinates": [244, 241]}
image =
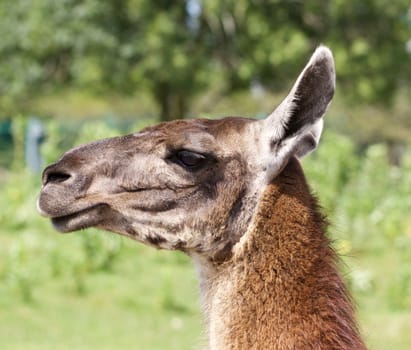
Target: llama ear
{"type": "Point", "coordinates": [294, 128]}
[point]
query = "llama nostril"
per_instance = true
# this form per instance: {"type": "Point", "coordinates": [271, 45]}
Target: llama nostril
{"type": "Point", "coordinates": [55, 177]}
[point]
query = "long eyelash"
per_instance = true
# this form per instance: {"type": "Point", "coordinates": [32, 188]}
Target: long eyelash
{"type": "Point", "coordinates": [174, 158]}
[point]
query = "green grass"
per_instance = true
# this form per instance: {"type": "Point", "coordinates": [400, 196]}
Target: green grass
{"type": "Point", "coordinates": [383, 314]}
{"type": "Point", "coordinates": [147, 301]}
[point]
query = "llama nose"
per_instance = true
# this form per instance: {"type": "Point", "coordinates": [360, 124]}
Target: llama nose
{"type": "Point", "coordinates": [53, 175]}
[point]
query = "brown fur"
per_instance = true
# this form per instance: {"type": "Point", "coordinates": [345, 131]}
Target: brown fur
{"type": "Point", "coordinates": [281, 289]}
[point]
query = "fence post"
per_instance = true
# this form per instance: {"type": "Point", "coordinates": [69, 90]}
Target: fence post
{"type": "Point", "coordinates": [34, 137]}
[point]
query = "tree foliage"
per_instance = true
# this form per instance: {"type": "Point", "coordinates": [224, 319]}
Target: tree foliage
{"type": "Point", "coordinates": [173, 50]}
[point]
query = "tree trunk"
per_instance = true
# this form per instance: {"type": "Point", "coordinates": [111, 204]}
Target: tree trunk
{"type": "Point", "coordinates": [173, 104]}
{"type": "Point", "coordinates": [396, 150]}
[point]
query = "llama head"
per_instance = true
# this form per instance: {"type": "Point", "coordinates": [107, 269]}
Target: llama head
{"type": "Point", "coordinates": [189, 184]}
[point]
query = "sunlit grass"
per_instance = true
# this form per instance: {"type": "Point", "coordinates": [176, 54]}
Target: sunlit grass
{"type": "Point", "coordinates": [147, 301]}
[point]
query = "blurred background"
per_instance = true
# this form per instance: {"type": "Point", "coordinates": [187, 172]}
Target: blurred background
{"type": "Point", "coordinates": [72, 71]}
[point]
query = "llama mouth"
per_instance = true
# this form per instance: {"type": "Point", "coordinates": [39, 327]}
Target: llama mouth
{"type": "Point", "coordinates": [79, 220]}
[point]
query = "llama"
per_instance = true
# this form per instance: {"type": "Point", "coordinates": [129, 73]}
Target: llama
{"type": "Point", "coordinates": [232, 195]}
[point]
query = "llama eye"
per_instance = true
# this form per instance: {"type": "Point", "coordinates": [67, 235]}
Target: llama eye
{"type": "Point", "coordinates": [190, 160]}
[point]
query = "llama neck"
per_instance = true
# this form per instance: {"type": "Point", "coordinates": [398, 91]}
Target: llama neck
{"type": "Point", "coordinates": [281, 288]}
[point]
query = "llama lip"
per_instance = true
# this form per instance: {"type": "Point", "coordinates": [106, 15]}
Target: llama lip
{"type": "Point", "coordinates": [81, 219]}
